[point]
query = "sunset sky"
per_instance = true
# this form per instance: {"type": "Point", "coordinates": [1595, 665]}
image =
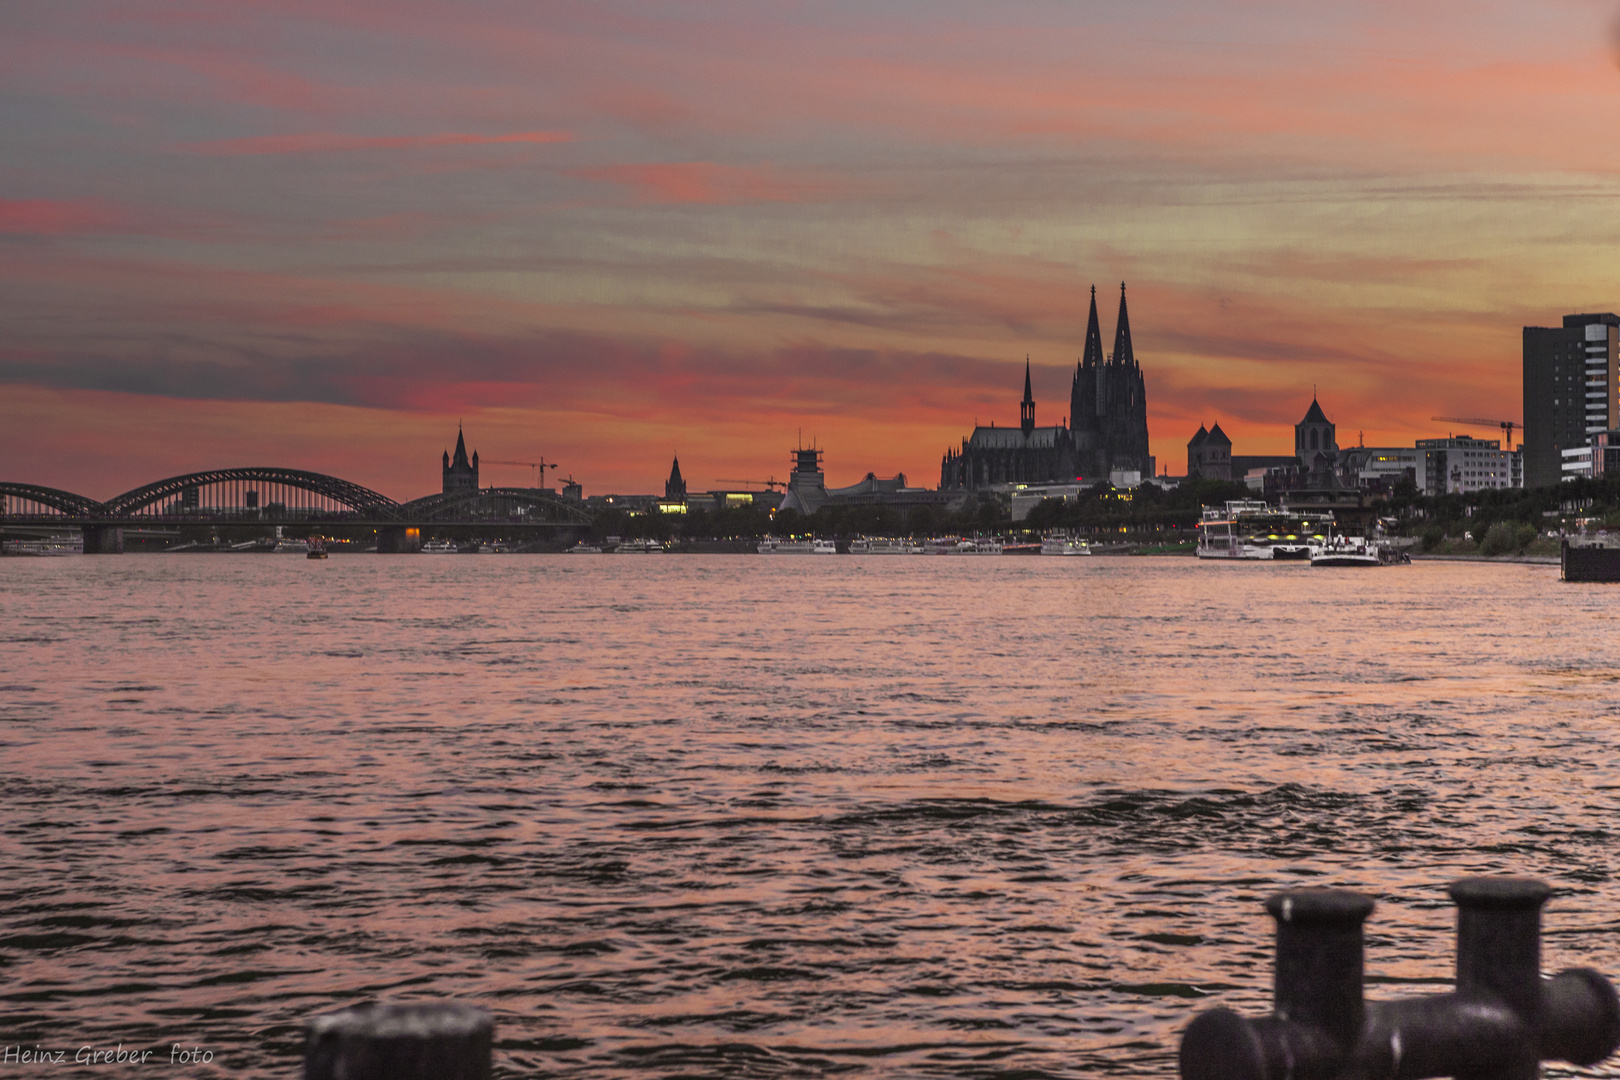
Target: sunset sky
{"type": "Point", "coordinates": [321, 234]}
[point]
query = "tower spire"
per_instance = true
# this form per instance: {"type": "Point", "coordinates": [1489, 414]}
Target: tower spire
{"type": "Point", "coordinates": [1026, 408]}
{"type": "Point", "coordinates": [1093, 355]}
{"type": "Point", "coordinates": [1123, 354]}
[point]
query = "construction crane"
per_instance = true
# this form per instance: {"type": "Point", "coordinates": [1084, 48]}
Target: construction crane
{"type": "Point", "coordinates": [773, 483]}
{"type": "Point", "coordinates": [539, 467]}
{"type": "Point", "coordinates": [1505, 425]}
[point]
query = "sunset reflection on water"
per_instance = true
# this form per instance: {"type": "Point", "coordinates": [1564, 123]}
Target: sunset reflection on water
{"type": "Point", "coordinates": [743, 816]}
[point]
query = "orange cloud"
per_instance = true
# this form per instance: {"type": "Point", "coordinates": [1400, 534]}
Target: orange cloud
{"type": "Point", "coordinates": [327, 142]}
{"type": "Point", "coordinates": [709, 183]}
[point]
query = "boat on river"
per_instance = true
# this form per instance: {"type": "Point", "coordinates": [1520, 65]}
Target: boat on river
{"type": "Point", "coordinates": [1356, 551]}
{"type": "Point", "coordinates": [314, 548]}
{"type": "Point", "coordinates": [639, 547]}
{"type": "Point", "coordinates": [1251, 529]}
{"type": "Point", "coordinates": [876, 545]}
{"type": "Point", "coordinates": [1063, 544]}
{"type": "Point", "coordinates": [439, 547]}
{"type": "Point", "coordinates": [773, 546]}
{"type": "Point", "coordinates": [60, 544]}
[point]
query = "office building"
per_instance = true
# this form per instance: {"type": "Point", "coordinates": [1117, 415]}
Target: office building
{"type": "Point", "coordinates": [1459, 464]}
{"type": "Point", "coordinates": [1570, 383]}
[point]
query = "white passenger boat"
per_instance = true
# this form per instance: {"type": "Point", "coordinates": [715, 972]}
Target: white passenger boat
{"type": "Point", "coordinates": [439, 547]}
{"type": "Point", "coordinates": [772, 546]}
{"type": "Point", "coordinates": [582, 548]}
{"type": "Point", "coordinates": [639, 547]}
{"type": "Point", "coordinates": [983, 546]}
{"type": "Point", "coordinates": [1059, 544]}
{"type": "Point", "coordinates": [866, 545]}
{"type": "Point", "coordinates": [288, 546]}
{"type": "Point", "coordinates": [1250, 529]}
{"type": "Point", "coordinates": [61, 544]}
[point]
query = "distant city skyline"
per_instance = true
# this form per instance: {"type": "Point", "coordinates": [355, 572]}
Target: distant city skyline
{"type": "Point", "coordinates": [607, 233]}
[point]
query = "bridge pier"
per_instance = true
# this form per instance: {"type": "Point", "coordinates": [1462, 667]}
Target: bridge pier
{"type": "Point", "coordinates": [103, 539]}
{"type": "Point", "coordinates": [399, 540]}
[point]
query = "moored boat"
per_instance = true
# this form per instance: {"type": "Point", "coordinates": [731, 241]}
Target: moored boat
{"type": "Point", "coordinates": [1063, 544]}
{"type": "Point", "coordinates": [807, 546]}
{"type": "Point", "coordinates": [582, 548]}
{"type": "Point", "coordinates": [1250, 529]}
{"type": "Point", "coordinates": [60, 544]}
{"type": "Point", "coordinates": [1356, 551]}
{"type": "Point", "coordinates": [867, 545]}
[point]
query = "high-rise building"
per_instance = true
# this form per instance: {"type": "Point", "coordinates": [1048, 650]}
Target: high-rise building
{"type": "Point", "coordinates": [1570, 383]}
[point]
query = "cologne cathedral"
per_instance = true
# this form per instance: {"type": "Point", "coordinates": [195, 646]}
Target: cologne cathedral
{"type": "Point", "coordinates": [1106, 433]}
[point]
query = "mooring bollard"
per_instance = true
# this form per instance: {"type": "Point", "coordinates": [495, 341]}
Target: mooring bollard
{"type": "Point", "coordinates": [420, 1041]}
{"type": "Point", "coordinates": [1502, 1021]}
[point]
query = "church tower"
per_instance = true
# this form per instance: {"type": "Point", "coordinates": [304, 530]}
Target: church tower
{"type": "Point", "coordinates": [675, 487]}
{"type": "Point", "coordinates": [1314, 436]}
{"type": "Point", "coordinates": [1130, 442]}
{"type": "Point", "coordinates": [1026, 408]}
{"type": "Point", "coordinates": [460, 474]}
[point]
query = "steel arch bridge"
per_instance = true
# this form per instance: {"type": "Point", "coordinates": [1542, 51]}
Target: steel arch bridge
{"type": "Point", "coordinates": [493, 504]}
{"type": "Point", "coordinates": [185, 495]}
{"type": "Point", "coordinates": [31, 500]}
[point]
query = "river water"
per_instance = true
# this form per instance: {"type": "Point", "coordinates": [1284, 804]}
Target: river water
{"type": "Point", "coordinates": [733, 816]}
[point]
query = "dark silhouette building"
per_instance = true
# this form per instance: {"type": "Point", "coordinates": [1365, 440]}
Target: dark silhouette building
{"type": "Point", "coordinates": [1570, 389]}
{"type": "Point", "coordinates": [1315, 438]}
{"type": "Point", "coordinates": [1209, 454]}
{"type": "Point", "coordinates": [1108, 402]}
{"type": "Point", "coordinates": [1107, 430]}
{"type": "Point", "coordinates": [675, 487]}
{"type": "Point", "coordinates": [460, 474]}
{"type": "Point", "coordinates": [1025, 454]}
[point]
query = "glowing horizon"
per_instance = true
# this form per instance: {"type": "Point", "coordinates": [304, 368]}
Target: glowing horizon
{"type": "Point", "coordinates": [611, 233]}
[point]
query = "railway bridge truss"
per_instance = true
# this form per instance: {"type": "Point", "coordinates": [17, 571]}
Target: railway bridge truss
{"type": "Point", "coordinates": [298, 501]}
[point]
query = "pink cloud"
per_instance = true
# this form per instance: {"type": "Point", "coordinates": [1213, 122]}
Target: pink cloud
{"type": "Point", "coordinates": [58, 217]}
{"type": "Point", "coordinates": [328, 142]}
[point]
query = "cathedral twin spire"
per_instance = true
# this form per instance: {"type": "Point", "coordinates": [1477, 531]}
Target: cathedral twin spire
{"type": "Point", "coordinates": [1108, 401]}
{"type": "Point", "coordinates": [1123, 354]}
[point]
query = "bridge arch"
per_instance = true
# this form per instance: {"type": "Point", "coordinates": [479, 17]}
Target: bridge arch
{"type": "Point", "coordinates": [250, 488]}
{"type": "Point", "coordinates": [26, 500]}
{"type": "Point", "coordinates": [495, 504]}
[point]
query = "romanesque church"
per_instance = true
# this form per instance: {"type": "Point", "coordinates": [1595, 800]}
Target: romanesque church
{"type": "Point", "coordinates": [1106, 433]}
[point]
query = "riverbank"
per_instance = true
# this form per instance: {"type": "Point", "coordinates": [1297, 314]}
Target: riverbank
{"type": "Point", "coordinates": [1539, 560]}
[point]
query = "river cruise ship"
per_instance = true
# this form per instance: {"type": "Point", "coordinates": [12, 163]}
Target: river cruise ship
{"type": "Point", "coordinates": [1251, 529]}
{"type": "Point", "coordinates": [877, 545]}
{"type": "Point", "coordinates": [772, 546]}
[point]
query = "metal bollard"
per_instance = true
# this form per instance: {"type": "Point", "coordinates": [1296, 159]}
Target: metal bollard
{"type": "Point", "coordinates": [422, 1041]}
{"type": "Point", "coordinates": [1502, 1021]}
